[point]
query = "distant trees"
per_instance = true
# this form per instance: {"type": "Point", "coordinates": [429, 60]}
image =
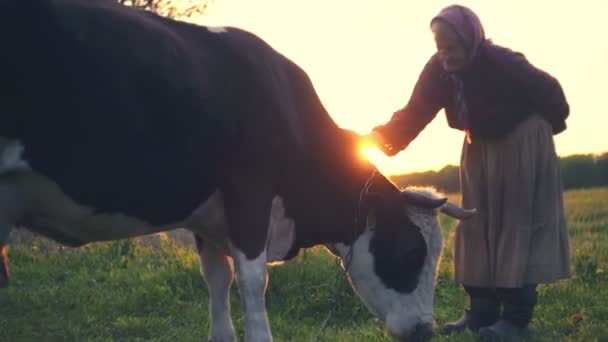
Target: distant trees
{"type": "Point", "coordinates": [446, 180]}
{"type": "Point", "coordinates": [583, 171]}
{"type": "Point", "coordinates": [170, 8]}
{"type": "Point", "coordinates": [578, 171]}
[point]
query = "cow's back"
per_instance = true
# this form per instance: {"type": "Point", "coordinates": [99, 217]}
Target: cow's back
{"type": "Point", "coordinates": [142, 114]}
{"type": "Point", "coordinates": [135, 116]}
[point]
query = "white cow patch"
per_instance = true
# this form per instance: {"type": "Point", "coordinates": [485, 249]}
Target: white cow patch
{"type": "Point", "coordinates": [252, 279]}
{"type": "Point", "coordinates": [281, 232]}
{"type": "Point", "coordinates": [209, 221]}
{"type": "Point", "coordinates": [218, 271]}
{"type": "Point", "coordinates": [11, 152]}
{"type": "Point", "coordinates": [400, 312]}
{"type": "Point", "coordinates": [217, 29]}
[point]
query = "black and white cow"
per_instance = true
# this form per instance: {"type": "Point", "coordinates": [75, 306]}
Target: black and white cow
{"type": "Point", "coordinates": [167, 124]}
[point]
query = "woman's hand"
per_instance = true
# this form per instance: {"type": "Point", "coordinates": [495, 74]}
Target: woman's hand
{"type": "Point", "coordinates": [376, 139]}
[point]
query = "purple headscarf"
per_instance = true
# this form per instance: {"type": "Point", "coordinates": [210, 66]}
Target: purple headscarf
{"type": "Point", "coordinates": [466, 23]}
{"type": "Point", "coordinates": [468, 26]}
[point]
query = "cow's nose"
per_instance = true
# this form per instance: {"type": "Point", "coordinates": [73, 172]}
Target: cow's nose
{"type": "Point", "coordinates": [421, 333]}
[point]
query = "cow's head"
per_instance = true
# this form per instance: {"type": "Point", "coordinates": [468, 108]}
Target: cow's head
{"type": "Point", "coordinates": [392, 263]}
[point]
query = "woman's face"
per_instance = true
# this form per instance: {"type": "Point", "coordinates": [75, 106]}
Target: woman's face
{"type": "Point", "coordinates": [452, 53]}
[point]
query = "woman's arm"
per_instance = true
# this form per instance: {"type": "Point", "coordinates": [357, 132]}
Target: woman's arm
{"type": "Point", "coordinates": [426, 100]}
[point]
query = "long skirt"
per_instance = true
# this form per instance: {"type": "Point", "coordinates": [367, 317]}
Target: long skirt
{"type": "Point", "coordinates": [519, 234]}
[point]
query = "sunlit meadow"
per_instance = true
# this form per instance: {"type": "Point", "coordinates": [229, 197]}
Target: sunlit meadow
{"type": "Point", "coordinates": [140, 291]}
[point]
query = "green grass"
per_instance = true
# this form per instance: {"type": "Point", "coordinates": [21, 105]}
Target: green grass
{"type": "Point", "coordinates": [128, 291]}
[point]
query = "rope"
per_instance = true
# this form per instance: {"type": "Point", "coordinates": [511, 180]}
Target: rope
{"type": "Point", "coordinates": [348, 260]}
{"type": "Point", "coordinates": [337, 289]}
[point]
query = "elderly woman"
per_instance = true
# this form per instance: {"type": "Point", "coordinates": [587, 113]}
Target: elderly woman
{"type": "Point", "coordinates": [509, 111]}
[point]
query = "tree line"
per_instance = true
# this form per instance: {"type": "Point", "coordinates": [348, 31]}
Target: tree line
{"type": "Point", "coordinates": [578, 171]}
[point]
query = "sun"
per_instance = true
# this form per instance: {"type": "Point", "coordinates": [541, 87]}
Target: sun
{"type": "Point", "coordinates": [371, 153]}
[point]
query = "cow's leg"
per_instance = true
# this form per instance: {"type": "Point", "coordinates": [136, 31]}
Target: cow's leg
{"type": "Point", "coordinates": [247, 203]}
{"type": "Point", "coordinates": [12, 208]}
{"type": "Point", "coordinates": [218, 272]}
{"type": "Point", "coordinates": [252, 278]}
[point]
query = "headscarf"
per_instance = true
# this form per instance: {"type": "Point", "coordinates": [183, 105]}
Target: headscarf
{"type": "Point", "coordinates": [468, 26]}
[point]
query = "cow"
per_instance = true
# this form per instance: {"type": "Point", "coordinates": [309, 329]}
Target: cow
{"type": "Point", "coordinates": [122, 123]}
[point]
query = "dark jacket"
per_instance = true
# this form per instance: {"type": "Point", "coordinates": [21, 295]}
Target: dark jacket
{"type": "Point", "coordinates": [501, 89]}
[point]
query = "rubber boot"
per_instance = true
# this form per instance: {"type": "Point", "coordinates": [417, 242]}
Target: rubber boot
{"type": "Point", "coordinates": [518, 307]}
{"type": "Point", "coordinates": [503, 330]}
{"type": "Point", "coordinates": [482, 312]}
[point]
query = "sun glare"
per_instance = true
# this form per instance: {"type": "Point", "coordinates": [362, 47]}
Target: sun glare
{"type": "Point", "coordinates": [364, 61]}
{"type": "Point", "coordinates": [372, 154]}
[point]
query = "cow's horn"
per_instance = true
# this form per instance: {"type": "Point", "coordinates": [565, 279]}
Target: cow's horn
{"type": "Point", "coordinates": [457, 212]}
{"type": "Point", "coordinates": [420, 200]}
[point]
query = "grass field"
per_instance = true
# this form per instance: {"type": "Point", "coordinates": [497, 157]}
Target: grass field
{"type": "Point", "coordinates": [129, 291]}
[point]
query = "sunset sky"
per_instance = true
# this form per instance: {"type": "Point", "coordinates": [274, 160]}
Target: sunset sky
{"type": "Point", "coordinates": [365, 56]}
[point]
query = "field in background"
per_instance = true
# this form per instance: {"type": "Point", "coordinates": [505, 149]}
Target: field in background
{"type": "Point", "coordinates": [151, 290]}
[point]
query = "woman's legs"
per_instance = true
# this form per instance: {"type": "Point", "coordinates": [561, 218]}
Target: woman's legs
{"type": "Point", "coordinates": [483, 310]}
{"type": "Point", "coordinates": [518, 307]}
{"type": "Point", "coordinates": [518, 304]}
